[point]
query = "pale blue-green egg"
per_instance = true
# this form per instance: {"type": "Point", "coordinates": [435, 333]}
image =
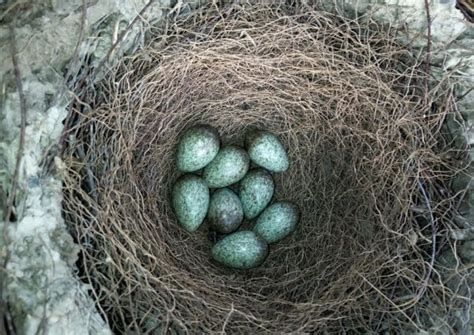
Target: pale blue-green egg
{"type": "Point", "coordinates": [197, 147]}
{"type": "Point", "coordinates": [256, 191]}
{"type": "Point", "coordinates": [240, 250]}
{"type": "Point", "coordinates": [225, 211]}
{"type": "Point", "coordinates": [266, 150]}
{"type": "Point", "coordinates": [190, 201]}
{"type": "Point", "coordinates": [277, 221]}
{"type": "Point", "coordinates": [228, 167]}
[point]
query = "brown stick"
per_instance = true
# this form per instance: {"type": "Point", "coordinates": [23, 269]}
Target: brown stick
{"type": "Point", "coordinates": [16, 173]}
{"type": "Point", "coordinates": [433, 236]}
{"type": "Point", "coordinates": [11, 198]}
{"type": "Point", "coordinates": [420, 184]}
{"type": "Point", "coordinates": [428, 46]}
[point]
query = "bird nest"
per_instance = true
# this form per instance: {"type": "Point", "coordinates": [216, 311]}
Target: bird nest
{"type": "Point", "coordinates": [369, 170]}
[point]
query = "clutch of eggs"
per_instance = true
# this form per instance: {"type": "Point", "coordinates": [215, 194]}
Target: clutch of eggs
{"type": "Point", "coordinates": [199, 150]}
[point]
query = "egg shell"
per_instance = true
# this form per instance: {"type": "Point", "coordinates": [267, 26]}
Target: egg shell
{"type": "Point", "coordinates": [266, 150]}
{"type": "Point", "coordinates": [197, 147]}
{"type": "Point", "coordinates": [240, 250]}
{"type": "Point", "coordinates": [228, 167]}
{"type": "Point", "coordinates": [277, 221]}
{"type": "Point", "coordinates": [256, 192]}
{"type": "Point", "coordinates": [225, 211]}
{"type": "Point", "coordinates": [190, 201]}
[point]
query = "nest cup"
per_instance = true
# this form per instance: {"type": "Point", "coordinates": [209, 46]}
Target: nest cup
{"type": "Point", "coordinates": [362, 133]}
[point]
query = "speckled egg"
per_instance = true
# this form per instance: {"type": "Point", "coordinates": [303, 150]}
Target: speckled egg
{"type": "Point", "coordinates": [197, 147]}
{"type": "Point", "coordinates": [228, 167]}
{"type": "Point", "coordinates": [240, 250]}
{"type": "Point", "coordinates": [190, 201]}
{"type": "Point", "coordinates": [266, 150]}
{"type": "Point", "coordinates": [277, 221]}
{"type": "Point", "coordinates": [256, 191]}
{"type": "Point", "coordinates": [225, 211]}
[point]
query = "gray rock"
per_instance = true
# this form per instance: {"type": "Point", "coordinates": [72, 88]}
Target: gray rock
{"type": "Point", "coordinates": [190, 201]}
{"type": "Point", "coordinates": [225, 211]}
{"type": "Point", "coordinates": [266, 150]}
{"type": "Point", "coordinates": [197, 147]}
{"type": "Point", "coordinates": [41, 285]}
{"type": "Point", "coordinates": [241, 250]}
{"type": "Point", "coordinates": [228, 167]}
{"type": "Point", "coordinates": [277, 221]}
{"type": "Point", "coordinates": [256, 192]}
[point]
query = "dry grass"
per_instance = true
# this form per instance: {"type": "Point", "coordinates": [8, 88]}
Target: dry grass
{"type": "Point", "coordinates": [368, 166]}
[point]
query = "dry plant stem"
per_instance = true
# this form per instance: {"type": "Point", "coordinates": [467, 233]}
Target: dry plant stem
{"type": "Point", "coordinates": [428, 44]}
{"type": "Point", "coordinates": [465, 94]}
{"type": "Point", "coordinates": [433, 235]}
{"type": "Point", "coordinates": [4, 312]}
{"type": "Point", "coordinates": [21, 143]}
{"type": "Point", "coordinates": [352, 107]}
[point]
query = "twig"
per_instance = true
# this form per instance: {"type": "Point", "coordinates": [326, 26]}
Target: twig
{"type": "Point", "coordinates": [389, 300]}
{"type": "Point", "coordinates": [11, 198]}
{"type": "Point", "coordinates": [377, 329]}
{"type": "Point", "coordinates": [89, 173]}
{"type": "Point", "coordinates": [420, 185]}
{"type": "Point", "coordinates": [465, 94]}
{"type": "Point", "coordinates": [227, 319]}
{"type": "Point", "coordinates": [16, 173]}
{"type": "Point", "coordinates": [428, 46]}
{"type": "Point", "coordinates": [433, 234]}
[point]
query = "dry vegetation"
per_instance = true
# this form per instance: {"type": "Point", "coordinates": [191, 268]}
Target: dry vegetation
{"type": "Point", "coordinates": [369, 170]}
